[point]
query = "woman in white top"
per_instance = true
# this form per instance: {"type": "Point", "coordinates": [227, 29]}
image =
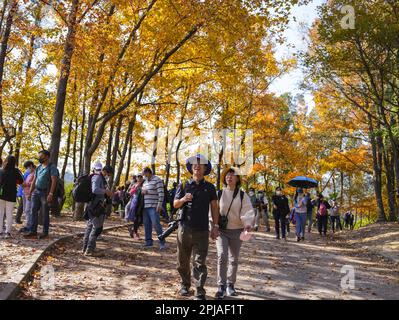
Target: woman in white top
{"type": "Point", "coordinates": [236, 205]}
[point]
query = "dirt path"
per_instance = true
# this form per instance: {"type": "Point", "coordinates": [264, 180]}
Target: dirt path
{"type": "Point", "coordinates": [16, 252]}
{"type": "Point", "coordinates": [269, 269]}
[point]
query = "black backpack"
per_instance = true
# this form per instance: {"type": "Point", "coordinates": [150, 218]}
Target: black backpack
{"type": "Point", "coordinates": [81, 191]}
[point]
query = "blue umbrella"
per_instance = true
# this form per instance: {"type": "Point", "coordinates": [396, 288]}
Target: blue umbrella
{"type": "Point", "coordinates": [303, 182]}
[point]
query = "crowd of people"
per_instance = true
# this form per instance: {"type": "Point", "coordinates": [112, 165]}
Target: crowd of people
{"type": "Point", "coordinates": [227, 215]}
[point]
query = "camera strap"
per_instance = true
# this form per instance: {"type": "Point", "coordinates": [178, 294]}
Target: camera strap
{"type": "Point", "coordinates": [234, 196]}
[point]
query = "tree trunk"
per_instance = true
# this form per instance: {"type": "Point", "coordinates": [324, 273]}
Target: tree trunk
{"type": "Point", "coordinates": [129, 159]}
{"type": "Point", "coordinates": [82, 134]}
{"type": "Point", "coordinates": [178, 161]}
{"type": "Point", "coordinates": [125, 145]}
{"type": "Point", "coordinates": [155, 142]}
{"type": "Point", "coordinates": [377, 171]}
{"type": "Point", "coordinates": [342, 189]}
{"type": "Point", "coordinates": [28, 81]}
{"type": "Point", "coordinates": [168, 159]}
{"type": "Point", "coordinates": [3, 54]}
{"type": "Point", "coordinates": [109, 148]}
{"type": "Point", "coordinates": [115, 149]}
{"type": "Point", "coordinates": [390, 184]}
{"type": "Point", "coordinates": [74, 150]}
{"type": "Point", "coordinates": [219, 170]}
{"type": "Point", "coordinates": [68, 148]}
{"type": "Point", "coordinates": [63, 83]}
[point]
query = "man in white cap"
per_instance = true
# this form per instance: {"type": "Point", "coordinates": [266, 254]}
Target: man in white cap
{"type": "Point", "coordinates": [95, 210]}
{"type": "Point", "coordinates": [194, 197]}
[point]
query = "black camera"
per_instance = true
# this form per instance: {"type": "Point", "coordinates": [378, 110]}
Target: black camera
{"type": "Point", "coordinates": [172, 227]}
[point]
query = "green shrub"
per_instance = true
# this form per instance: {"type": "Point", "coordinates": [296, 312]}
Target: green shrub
{"type": "Point", "coordinates": [68, 195]}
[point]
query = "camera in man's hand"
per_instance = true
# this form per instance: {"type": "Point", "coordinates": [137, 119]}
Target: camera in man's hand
{"type": "Point", "coordinates": [172, 227]}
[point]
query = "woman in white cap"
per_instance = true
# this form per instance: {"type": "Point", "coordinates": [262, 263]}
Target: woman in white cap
{"type": "Point", "coordinates": [236, 215]}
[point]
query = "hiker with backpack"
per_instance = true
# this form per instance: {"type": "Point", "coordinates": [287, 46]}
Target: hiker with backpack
{"type": "Point", "coordinates": [322, 214]}
{"type": "Point", "coordinates": [134, 208]}
{"type": "Point", "coordinates": [10, 177]}
{"type": "Point", "coordinates": [195, 198]}
{"type": "Point", "coordinates": [300, 205]}
{"type": "Point", "coordinates": [42, 194]}
{"type": "Point", "coordinates": [236, 215]}
{"type": "Point", "coordinates": [281, 210]}
{"type": "Point", "coordinates": [95, 211]}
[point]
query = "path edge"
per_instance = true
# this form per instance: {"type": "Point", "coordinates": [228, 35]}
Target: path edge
{"type": "Point", "coordinates": [13, 288]}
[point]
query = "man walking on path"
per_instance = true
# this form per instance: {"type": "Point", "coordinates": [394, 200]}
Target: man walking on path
{"type": "Point", "coordinates": [281, 209]}
{"type": "Point", "coordinates": [42, 194]}
{"type": "Point", "coordinates": [153, 191]}
{"type": "Point", "coordinates": [96, 209]}
{"type": "Point", "coordinates": [194, 198]}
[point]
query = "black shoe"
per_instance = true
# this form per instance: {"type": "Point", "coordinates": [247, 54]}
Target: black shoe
{"type": "Point", "coordinates": [278, 237]}
{"type": "Point", "coordinates": [18, 221]}
{"type": "Point", "coordinates": [184, 291]}
{"type": "Point", "coordinates": [30, 235]}
{"type": "Point", "coordinates": [199, 297]}
{"type": "Point", "coordinates": [23, 230]}
{"type": "Point", "coordinates": [43, 236]}
{"type": "Point", "coordinates": [221, 293]}
{"type": "Point", "coordinates": [303, 238]}
{"type": "Point", "coordinates": [231, 292]}
{"type": "Point", "coordinates": [256, 229]}
{"type": "Point", "coordinates": [298, 239]}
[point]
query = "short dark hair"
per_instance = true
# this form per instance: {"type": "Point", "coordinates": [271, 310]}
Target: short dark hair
{"type": "Point", "coordinates": [147, 170]}
{"type": "Point", "coordinates": [45, 152]}
{"type": "Point", "coordinates": [28, 164]}
{"type": "Point", "coordinates": [108, 169]}
{"type": "Point", "coordinates": [11, 162]}
{"type": "Point", "coordinates": [231, 170]}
